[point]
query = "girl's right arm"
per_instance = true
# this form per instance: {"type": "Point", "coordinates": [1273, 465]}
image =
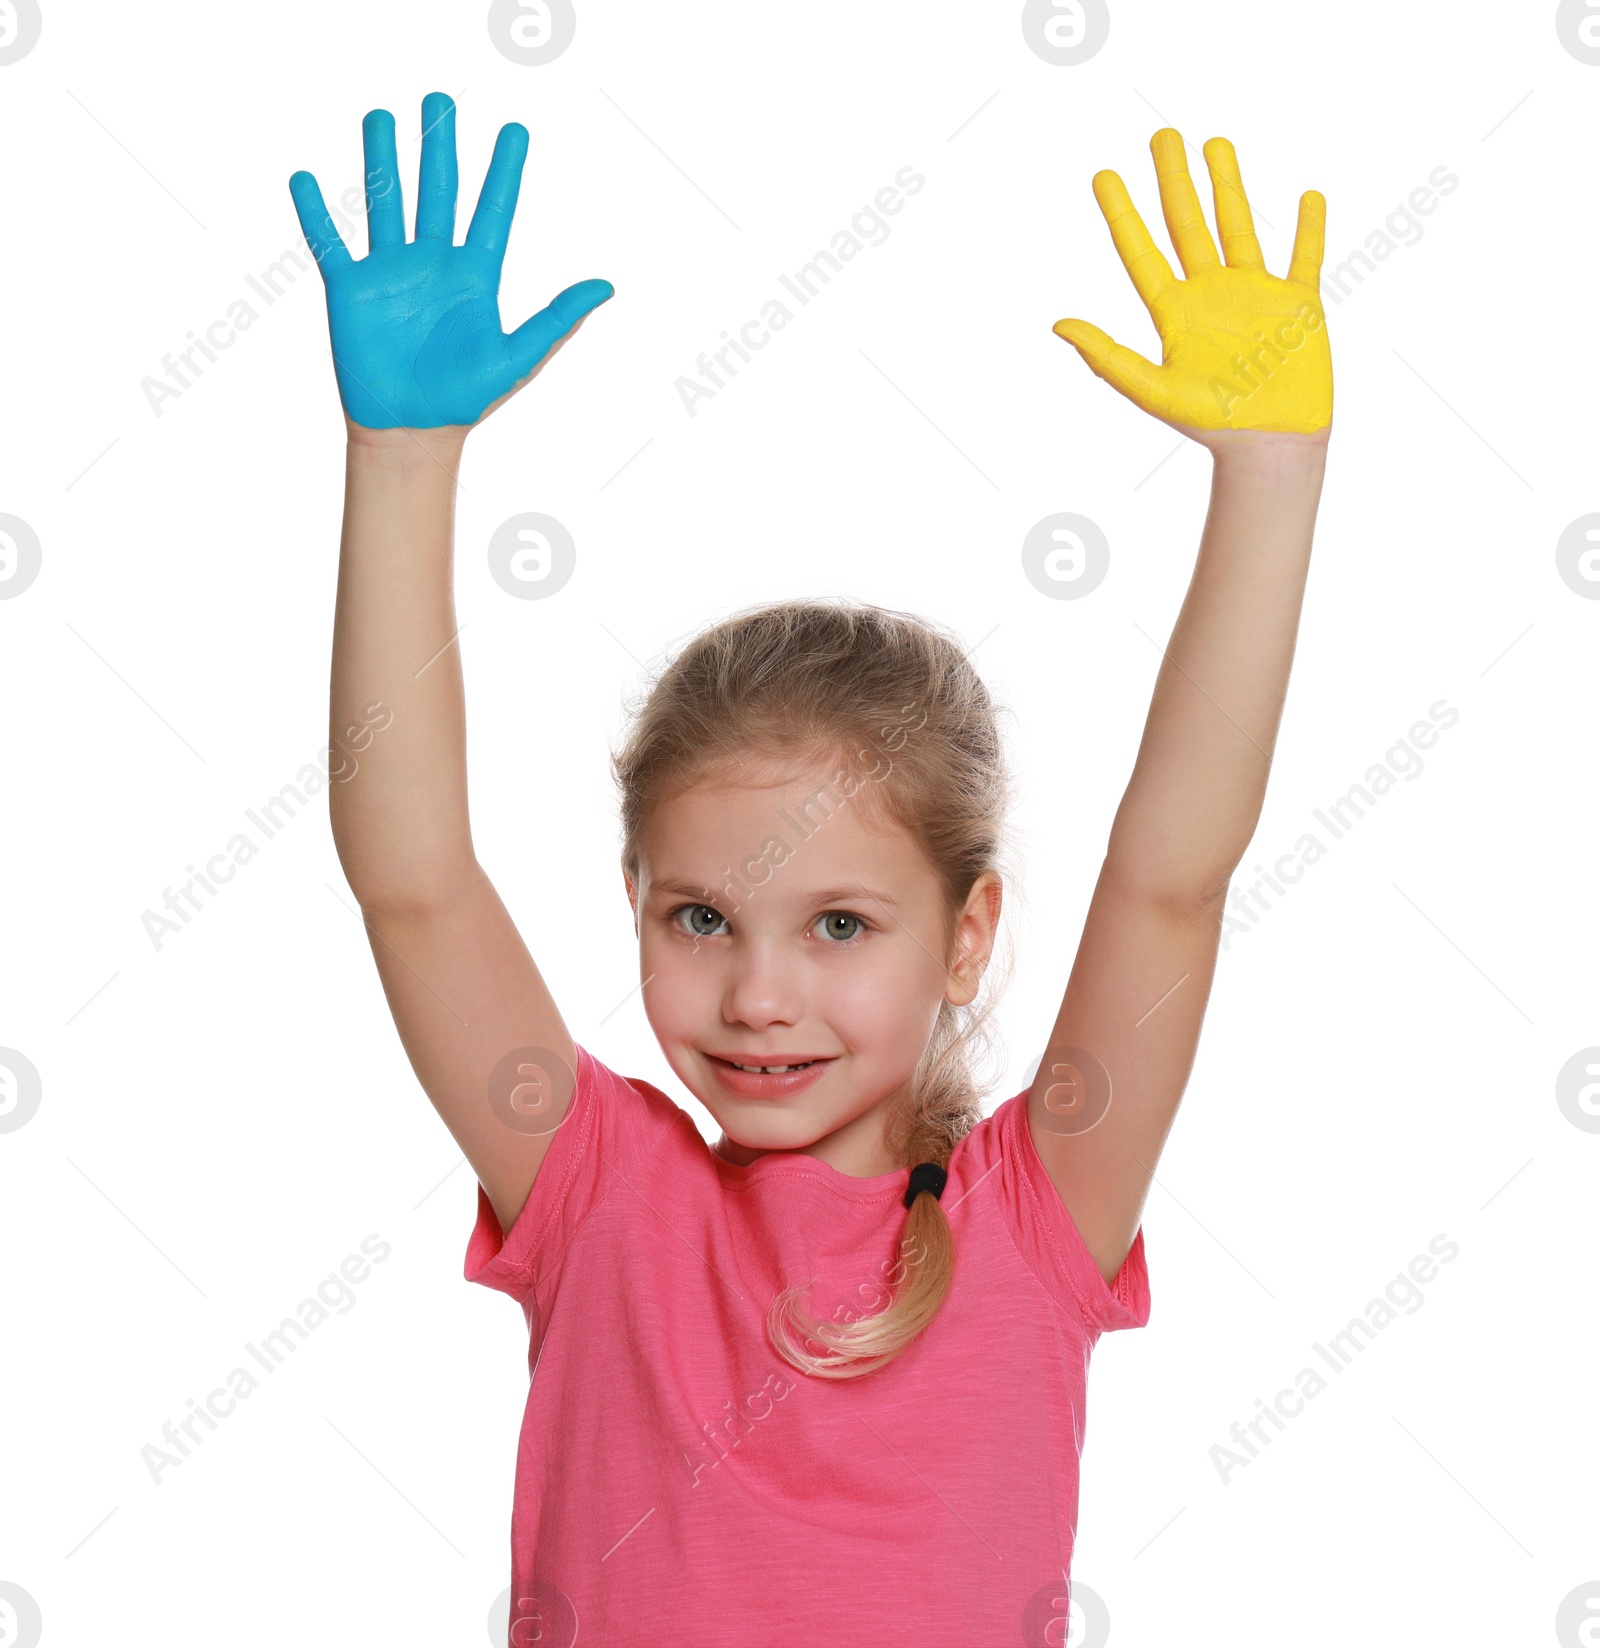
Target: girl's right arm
{"type": "Point", "coordinates": [421, 358]}
{"type": "Point", "coordinates": [461, 985]}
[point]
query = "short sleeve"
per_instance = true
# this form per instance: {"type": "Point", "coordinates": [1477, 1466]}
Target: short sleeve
{"type": "Point", "coordinates": [1047, 1237]}
{"type": "Point", "coordinates": [598, 1142]}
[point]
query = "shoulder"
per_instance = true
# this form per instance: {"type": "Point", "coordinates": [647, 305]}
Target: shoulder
{"type": "Point", "coordinates": [997, 1170]}
{"type": "Point", "coordinates": [634, 1112]}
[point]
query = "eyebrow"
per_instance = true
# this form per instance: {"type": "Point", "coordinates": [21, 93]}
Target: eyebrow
{"type": "Point", "coordinates": [829, 896]}
{"type": "Point", "coordinates": [847, 895]}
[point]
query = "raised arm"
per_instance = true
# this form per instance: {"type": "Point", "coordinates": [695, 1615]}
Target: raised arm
{"type": "Point", "coordinates": [420, 358]}
{"type": "Point", "coordinates": [1246, 371]}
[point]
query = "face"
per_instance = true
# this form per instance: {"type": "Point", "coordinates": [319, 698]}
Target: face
{"type": "Point", "coordinates": [796, 946]}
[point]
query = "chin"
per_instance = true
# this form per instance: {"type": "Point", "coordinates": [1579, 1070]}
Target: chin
{"type": "Point", "coordinates": [764, 1131]}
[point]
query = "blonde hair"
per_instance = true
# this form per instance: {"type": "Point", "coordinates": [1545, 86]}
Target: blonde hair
{"type": "Point", "coordinates": [782, 681]}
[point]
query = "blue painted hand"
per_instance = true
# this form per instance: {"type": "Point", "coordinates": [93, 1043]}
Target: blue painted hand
{"type": "Point", "coordinates": [415, 325]}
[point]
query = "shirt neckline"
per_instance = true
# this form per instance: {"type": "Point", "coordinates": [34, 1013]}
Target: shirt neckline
{"type": "Point", "coordinates": [871, 1188]}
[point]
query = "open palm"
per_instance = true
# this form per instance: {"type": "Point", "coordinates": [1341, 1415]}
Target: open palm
{"type": "Point", "coordinates": [415, 325]}
{"type": "Point", "coordinates": [1242, 349]}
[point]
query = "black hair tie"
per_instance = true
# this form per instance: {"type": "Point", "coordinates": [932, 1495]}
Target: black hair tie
{"type": "Point", "coordinates": [925, 1176]}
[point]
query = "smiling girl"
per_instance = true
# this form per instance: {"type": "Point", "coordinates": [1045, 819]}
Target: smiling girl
{"type": "Point", "coordinates": [824, 1379]}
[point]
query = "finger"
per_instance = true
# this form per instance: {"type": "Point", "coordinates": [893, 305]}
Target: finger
{"type": "Point", "coordinates": [1123, 368]}
{"type": "Point", "coordinates": [386, 220]}
{"type": "Point", "coordinates": [1240, 248]}
{"type": "Point", "coordinates": [436, 176]}
{"type": "Point", "coordinates": [316, 224]}
{"type": "Point", "coordinates": [1180, 205]}
{"type": "Point", "coordinates": [535, 337]}
{"type": "Point", "coordinates": [1149, 271]}
{"type": "Point", "coordinates": [491, 221]}
{"type": "Point", "coordinates": [1306, 264]}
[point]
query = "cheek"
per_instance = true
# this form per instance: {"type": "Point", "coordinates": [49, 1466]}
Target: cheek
{"type": "Point", "coordinates": [890, 1005]}
{"type": "Point", "coordinates": [681, 984]}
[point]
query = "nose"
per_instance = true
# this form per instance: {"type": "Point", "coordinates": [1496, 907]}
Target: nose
{"type": "Point", "coordinates": [762, 989]}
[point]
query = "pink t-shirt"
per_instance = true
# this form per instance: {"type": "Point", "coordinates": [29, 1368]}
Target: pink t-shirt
{"type": "Point", "coordinates": [679, 1483]}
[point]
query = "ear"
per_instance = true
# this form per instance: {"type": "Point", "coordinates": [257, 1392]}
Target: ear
{"type": "Point", "coordinates": [976, 927]}
{"type": "Point", "coordinates": [633, 900]}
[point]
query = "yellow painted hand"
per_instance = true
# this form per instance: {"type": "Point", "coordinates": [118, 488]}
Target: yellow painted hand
{"type": "Point", "coordinates": [1240, 348]}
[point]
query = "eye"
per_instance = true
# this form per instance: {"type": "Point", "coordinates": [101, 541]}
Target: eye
{"type": "Point", "coordinates": [699, 920]}
{"type": "Point", "coordinates": [839, 926]}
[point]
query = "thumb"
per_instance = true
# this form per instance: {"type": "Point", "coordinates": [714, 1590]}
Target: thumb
{"type": "Point", "coordinates": [1124, 369]}
{"type": "Point", "coordinates": [534, 338]}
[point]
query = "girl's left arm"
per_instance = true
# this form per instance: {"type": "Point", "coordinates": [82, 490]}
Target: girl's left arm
{"type": "Point", "coordinates": [1124, 1041]}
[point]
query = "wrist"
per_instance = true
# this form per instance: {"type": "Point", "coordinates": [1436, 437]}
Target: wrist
{"type": "Point", "coordinates": [1249, 455]}
{"type": "Point", "coordinates": [400, 449]}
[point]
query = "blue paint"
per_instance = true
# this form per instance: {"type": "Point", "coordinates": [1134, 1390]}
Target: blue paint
{"type": "Point", "coordinates": [415, 325]}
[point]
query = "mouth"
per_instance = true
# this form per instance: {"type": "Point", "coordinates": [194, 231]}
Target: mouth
{"type": "Point", "coordinates": [775, 1076]}
{"type": "Point", "coordinates": [770, 1069]}
{"type": "Point", "coordinates": [774, 1065]}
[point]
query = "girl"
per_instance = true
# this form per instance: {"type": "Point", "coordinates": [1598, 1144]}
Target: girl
{"type": "Point", "coordinates": [825, 1379]}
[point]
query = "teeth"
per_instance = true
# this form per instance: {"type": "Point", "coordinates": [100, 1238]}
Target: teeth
{"type": "Point", "coordinates": [770, 1069]}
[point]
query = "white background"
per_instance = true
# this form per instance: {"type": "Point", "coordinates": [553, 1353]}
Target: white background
{"type": "Point", "coordinates": [226, 1117]}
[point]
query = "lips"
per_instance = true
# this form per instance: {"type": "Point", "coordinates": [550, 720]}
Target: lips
{"type": "Point", "coordinates": [772, 1076]}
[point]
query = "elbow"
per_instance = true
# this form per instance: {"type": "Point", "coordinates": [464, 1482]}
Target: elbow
{"type": "Point", "coordinates": [1188, 894]}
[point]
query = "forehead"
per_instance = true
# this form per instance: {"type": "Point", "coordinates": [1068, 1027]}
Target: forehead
{"type": "Point", "coordinates": [807, 823]}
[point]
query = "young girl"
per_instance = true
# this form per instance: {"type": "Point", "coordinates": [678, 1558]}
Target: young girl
{"type": "Point", "coordinates": [825, 1379]}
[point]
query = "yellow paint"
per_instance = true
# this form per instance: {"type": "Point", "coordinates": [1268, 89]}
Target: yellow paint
{"type": "Point", "coordinates": [1240, 348]}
